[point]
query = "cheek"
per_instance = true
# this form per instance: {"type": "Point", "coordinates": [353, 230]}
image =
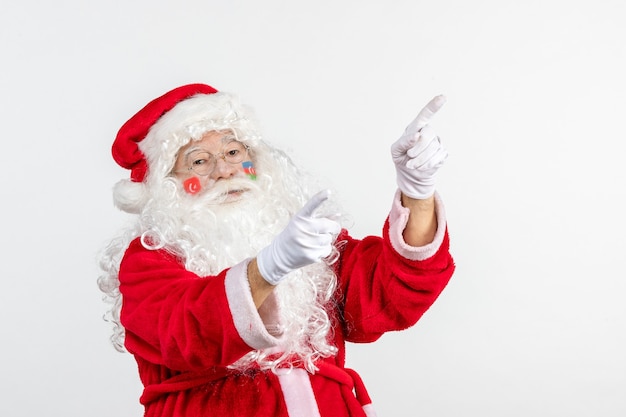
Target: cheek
{"type": "Point", "coordinates": [206, 182]}
{"type": "Point", "coordinates": [192, 185]}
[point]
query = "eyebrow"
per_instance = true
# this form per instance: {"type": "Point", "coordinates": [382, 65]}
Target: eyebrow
{"type": "Point", "coordinates": [229, 138]}
{"type": "Point", "coordinates": [193, 149]}
{"type": "Point", "coordinates": [226, 139]}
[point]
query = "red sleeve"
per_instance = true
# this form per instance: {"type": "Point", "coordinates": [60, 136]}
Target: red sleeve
{"type": "Point", "coordinates": [384, 290]}
{"type": "Point", "coordinates": [175, 318]}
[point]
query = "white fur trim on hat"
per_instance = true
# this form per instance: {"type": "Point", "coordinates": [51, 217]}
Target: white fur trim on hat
{"type": "Point", "coordinates": [190, 119]}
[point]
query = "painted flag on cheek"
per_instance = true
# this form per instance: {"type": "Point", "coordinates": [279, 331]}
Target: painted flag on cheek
{"type": "Point", "coordinates": [192, 185]}
{"type": "Point", "coordinates": [248, 168]}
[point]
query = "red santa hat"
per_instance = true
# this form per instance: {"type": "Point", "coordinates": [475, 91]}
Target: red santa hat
{"type": "Point", "coordinates": [125, 148]}
{"type": "Point", "coordinates": [148, 142]}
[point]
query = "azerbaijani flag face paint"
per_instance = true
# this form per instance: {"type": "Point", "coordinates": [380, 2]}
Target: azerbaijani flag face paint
{"type": "Point", "coordinates": [248, 168]}
{"type": "Point", "coordinates": [192, 185]}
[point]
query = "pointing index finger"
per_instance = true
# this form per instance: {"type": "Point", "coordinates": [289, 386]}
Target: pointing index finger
{"type": "Point", "coordinates": [315, 201]}
{"type": "Point", "coordinates": [426, 114]}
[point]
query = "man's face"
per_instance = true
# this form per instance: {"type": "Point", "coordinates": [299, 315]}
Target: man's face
{"type": "Point", "coordinates": [205, 163]}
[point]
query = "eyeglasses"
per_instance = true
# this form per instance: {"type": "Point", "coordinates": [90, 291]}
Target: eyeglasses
{"type": "Point", "coordinates": [203, 162]}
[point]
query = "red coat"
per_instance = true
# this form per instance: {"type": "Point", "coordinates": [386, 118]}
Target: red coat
{"type": "Point", "coordinates": [184, 330]}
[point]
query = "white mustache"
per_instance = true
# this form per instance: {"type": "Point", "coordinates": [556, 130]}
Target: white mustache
{"type": "Point", "coordinates": [217, 192]}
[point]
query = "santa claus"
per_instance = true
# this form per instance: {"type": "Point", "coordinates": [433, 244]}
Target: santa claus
{"type": "Point", "coordinates": [237, 287]}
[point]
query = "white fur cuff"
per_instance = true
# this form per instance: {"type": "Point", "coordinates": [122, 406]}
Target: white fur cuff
{"type": "Point", "coordinates": [248, 322]}
{"type": "Point", "coordinates": [398, 219]}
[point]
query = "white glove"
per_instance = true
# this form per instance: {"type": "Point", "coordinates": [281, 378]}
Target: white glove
{"type": "Point", "coordinates": [418, 154]}
{"type": "Point", "coordinates": [305, 240]}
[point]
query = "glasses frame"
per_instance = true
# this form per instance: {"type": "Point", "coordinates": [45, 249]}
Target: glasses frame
{"type": "Point", "coordinates": [222, 156]}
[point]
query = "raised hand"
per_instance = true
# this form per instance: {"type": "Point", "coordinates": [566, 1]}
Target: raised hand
{"type": "Point", "coordinates": [418, 153]}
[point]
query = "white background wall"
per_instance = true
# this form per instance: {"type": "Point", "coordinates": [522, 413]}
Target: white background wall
{"type": "Point", "coordinates": [534, 320]}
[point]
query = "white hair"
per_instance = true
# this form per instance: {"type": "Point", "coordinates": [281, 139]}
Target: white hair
{"type": "Point", "coordinates": [199, 230]}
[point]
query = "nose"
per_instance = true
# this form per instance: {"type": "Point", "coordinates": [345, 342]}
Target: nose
{"type": "Point", "coordinates": [223, 170]}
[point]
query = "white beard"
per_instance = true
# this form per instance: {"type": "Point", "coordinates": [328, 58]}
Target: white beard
{"type": "Point", "coordinates": [211, 233]}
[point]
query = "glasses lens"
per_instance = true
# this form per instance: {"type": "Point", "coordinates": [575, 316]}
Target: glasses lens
{"type": "Point", "coordinates": [202, 163]}
{"type": "Point", "coordinates": [235, 152]}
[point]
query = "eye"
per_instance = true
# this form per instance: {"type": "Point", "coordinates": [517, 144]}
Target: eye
{"type": "Point", "coordinates": [232, 152]}
{"type": "Point", "coordinates": [200, 158]}
{"type": "Point", "coordinates": [201, 161]}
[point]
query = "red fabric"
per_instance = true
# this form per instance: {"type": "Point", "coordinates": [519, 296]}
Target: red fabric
{"type": "Point", "coordinates": [353, 393]}
{"type": "Point", "coordinates": [180, 329]}
{"type": "Point", "coordinates": [400, 293]}
{"type": "Point", "coordinates": [125, 149]}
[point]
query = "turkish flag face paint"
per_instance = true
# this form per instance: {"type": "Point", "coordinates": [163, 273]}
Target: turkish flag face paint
{"type": "Point", "coordinates": [192, 185]}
